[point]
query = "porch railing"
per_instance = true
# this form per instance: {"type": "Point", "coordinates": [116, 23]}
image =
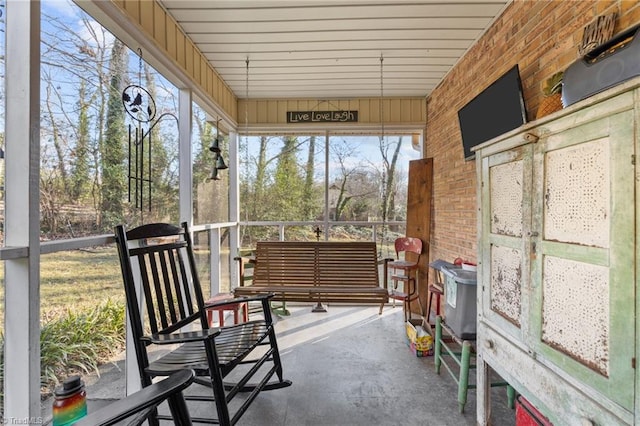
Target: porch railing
{"type": "Point", "coordinates": [218, 267]}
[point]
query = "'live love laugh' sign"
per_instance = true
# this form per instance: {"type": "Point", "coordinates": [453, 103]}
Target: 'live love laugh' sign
{"type": "Point", "coordinates": [322, 116]}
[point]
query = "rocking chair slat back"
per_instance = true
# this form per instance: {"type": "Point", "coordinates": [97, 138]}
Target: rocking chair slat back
{"type": "Point", "coordinates": [170, 288]}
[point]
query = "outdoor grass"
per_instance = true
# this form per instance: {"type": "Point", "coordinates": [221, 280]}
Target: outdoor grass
{"type": "Point", "coordinates": [81, 313]}
{"type": "Point", "coordinates": [79, 279]}
{"type": "Point", "coordinates": [74, 279]}
{"type": "Point", "coordinates": [82, 306]}
{"type": "Point", "coordinates": [82, 279]}
{"type": "Point", "coordinates": [79, 341]}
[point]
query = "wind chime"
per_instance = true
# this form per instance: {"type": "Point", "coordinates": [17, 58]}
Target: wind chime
{"type": "Point", "coordinates": [215, 148]}
{"type": "Point", "coordinates": [141, 107]}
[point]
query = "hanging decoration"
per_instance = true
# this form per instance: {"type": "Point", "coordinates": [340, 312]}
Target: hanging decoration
{"type": "Point", "coordinates": [141, 107]}
{"type": "Point", "coordinates": [334, 115]}
{"type": "Point", "coordinates": [217, 154]}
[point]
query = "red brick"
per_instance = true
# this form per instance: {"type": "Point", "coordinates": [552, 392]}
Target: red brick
{"type": "Point", "coordinates": [542, 37]}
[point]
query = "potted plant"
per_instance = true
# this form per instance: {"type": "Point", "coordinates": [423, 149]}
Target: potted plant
{"type": "Point", "coordinates": [552, 100]}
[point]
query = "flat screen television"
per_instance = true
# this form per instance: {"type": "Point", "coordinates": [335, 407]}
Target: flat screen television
{"type": "Point", "coordinates": [496, 110]}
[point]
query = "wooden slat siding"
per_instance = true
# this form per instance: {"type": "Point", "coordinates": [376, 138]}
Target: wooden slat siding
{"type": "Point", "coordinates": [312, 271]}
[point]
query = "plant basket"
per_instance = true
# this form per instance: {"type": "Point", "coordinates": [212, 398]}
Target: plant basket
{"type": "Point", "coordinates": [549, 105]}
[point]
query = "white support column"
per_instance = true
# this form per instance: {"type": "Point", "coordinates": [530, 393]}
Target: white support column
{"type": "Point", "coordinates": [22, 219]}
{"type": "Point", "coordinates": [132, 374]}
{"type": "Point", "coordinates": [234, 207]}
{"type": "Point", "coordinates": [185, 186]}
{"type": "Point", "coordinates": [214, 260]}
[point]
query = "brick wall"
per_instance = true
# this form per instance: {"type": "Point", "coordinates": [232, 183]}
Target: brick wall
{"type": "Point", "coordinates": [542, 37]}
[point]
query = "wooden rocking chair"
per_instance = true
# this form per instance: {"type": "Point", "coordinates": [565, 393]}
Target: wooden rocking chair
{"type": "Point", "coordinates": [164, 296]}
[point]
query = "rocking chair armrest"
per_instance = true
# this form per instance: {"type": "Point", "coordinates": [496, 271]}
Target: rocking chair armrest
{"type": "Point", "coordinates": [245, 262]}
{"type": "Point", "coordinates": [246, 259]}
{"type": "Point", "coordinates": [188, 336]}
{"type": "Point", "coordinates": [137, 403]}
{"type": "Point", "coordinates": [240, 299]}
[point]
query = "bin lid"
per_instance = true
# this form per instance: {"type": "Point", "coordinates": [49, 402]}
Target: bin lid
{"type": "Point", "coordinates": [461, 276]}
{"type": "Point", "coordinates": [439, 264]}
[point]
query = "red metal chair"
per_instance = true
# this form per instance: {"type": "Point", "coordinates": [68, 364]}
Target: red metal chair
{"type": "Point", "coordinates": [404, 270]}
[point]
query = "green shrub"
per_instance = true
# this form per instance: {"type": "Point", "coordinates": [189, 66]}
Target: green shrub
{"type": "Point", "coordinates": [77, 343]}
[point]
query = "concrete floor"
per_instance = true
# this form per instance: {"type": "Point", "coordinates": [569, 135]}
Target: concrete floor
{"type": "Point", "coordinates": [349, 366]}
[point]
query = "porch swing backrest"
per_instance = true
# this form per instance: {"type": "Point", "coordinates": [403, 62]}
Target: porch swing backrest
{"type": "Point", "coordinates": [317, 271]}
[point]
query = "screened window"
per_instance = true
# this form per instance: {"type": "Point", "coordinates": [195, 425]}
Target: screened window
{"type": "Point", "coordinates": [109, 151]}
{"type": "Point", "coordinates": [311, 180]}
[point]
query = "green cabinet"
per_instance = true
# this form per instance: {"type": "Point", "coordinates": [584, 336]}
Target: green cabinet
{"type": "Point", "coordinates": [557, 260]}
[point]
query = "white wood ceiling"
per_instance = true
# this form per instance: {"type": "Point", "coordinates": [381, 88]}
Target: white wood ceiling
{"type": "Point", "coordinates": [332, 48]}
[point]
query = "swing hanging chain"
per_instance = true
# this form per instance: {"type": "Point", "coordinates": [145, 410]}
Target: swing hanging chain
{"type": "Point", "coordinates": [246, 123]}
{"type": "Point", "coordinates": [384, 185]}
{"type": "Point", "coordinates": [381, 98]}
{"type": "Point", "coordinates": [246, 104]}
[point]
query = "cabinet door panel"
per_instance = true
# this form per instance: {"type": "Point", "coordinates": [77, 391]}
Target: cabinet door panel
{"type": "Point", "coordinates": [506, 222]}
{"type": "Point", "coordinates": [583, 285]}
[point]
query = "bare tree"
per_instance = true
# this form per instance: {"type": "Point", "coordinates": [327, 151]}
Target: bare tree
{"type": "Point", "coordinates": [74, 69]}
{"type": "Point", "coordinates": [389, 151]}
{"type": "Point", "coordinates": [347, 185]}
